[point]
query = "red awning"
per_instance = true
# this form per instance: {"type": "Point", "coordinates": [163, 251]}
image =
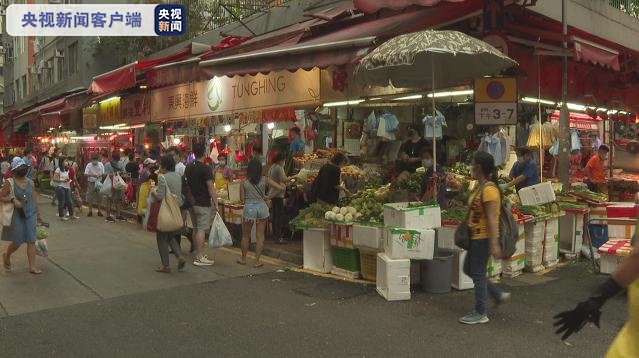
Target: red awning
{"type": "Point", "coordinates": [125, 76]}
{"type": "Point", "coordinates": [373, 6]}
{"type": "Point", "coordinates": [592, 54]}
{"type": "Point", "coordinates": [336, 48]}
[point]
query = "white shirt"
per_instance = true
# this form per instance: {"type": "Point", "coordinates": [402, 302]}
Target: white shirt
{"type": "Point", "coordinates": [180, 168]}
{"type": "Point", "coordinates": [64, 178]}
{"type": "Point", "coordinates": [94, 170]}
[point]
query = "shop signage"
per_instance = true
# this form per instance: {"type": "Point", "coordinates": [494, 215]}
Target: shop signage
{"type": "Point", "coordinates": [222, 95]}
{"type": "Point", "coordinates": [109, 112]}
{"type": "Point", "coordinates": [135, 109]}
{"type": "Point", "coordinates": [495, 101]}
{"type": "Point", "coordinates": [90, 117]}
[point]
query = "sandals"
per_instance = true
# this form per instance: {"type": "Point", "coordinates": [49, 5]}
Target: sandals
{"type": "Point", "coordinates": [35, 272]}
{"type": "Point", "coordinates": [240, 262]}
{"type": "Point", "coordinates": [163, 270]}
{"type": "Point", "coordinates": [5, 264]}
{"type": "Point", "coordinates": [258, 265]}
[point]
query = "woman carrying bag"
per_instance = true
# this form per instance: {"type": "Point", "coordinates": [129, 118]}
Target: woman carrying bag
{"type": "Point", "coordinates": [483, 231]}
{"type": "Point", "coordinates": [169, 192]}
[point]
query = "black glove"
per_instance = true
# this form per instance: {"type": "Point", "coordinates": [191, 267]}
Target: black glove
{"type": "Point", "coordinates": [570, 322]}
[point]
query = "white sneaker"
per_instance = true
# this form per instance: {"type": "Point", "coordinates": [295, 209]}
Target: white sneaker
{"type": "Point", "coordinates": [203, 261]}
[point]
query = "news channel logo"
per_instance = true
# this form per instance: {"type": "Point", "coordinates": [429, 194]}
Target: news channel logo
{"type": "Point", "coordinates": [170, 20]}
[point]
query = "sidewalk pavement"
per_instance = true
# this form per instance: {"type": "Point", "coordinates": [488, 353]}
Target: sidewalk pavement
{"type": "Point", "coordinates": [91, 260]}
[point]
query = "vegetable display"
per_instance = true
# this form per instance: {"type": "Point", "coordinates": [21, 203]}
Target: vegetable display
{"type": "Point", "coordinates": [590, 195]}
{"type": "Point", "coordinates": [413, 183]}
{"type": "Point", "coordinates": [455, 214]}
{"type": "Point", "coordinates": [311, 217]}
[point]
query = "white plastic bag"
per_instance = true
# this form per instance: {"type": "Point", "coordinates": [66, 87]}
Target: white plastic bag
{"type": "Point", "coordinates": [41, 247]}
{"type": "Point", "coordinates": [118, 182]}
{"type": "Point", "coordinates": [105, 189]}
{"type": "Point", "coordinates": [219, 235]}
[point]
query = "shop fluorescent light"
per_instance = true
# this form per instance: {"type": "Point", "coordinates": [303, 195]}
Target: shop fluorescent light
{"type": "Point", "coordinates": [612, 111]}
{"type": "Point", "coordinates": [408, 98]}
{"type": "Point", "coordinates": [537, 100]}
{"type": "Point", "coordinates": [143, 87]}
{"type": "Point", "coordinates": [110, 99]}
{"type": "Point", "coordinates": [343, 103]}
{"type": "Point", "coordinates": [374, 99]}
{"type": "Point", "coordinates": [176, 141]}
{"type": "Point", "coordinates": [451, 93]}
{"type": "Point", "coordinates": [227, 128]}
{"type": "Point", "coordinates": [270, 125]}
{"type": "Point", "coordinates": [86, 137]}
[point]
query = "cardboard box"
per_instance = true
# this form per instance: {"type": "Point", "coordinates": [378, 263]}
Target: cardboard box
{"type": "Point", "coordinates": [393, 278]}
{"type": "Point", "coordinates": [368, 237]}
{"type": "Point", "coordinates": [410, 244]}
{"type": "Point", "coordinates": [400, 215]}
{"type": "Point", "coordinates": [317, 250]}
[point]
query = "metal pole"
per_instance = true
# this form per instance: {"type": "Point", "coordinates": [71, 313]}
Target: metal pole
{"type": "Point", "coordinates": [432, 76]}
{"type": "Point", "coordinates": [564, 125]}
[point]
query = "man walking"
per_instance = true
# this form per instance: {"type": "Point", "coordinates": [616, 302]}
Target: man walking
{"type": "Point", "coordinates": [94, 172]}
{"type": "Point", "coordinates": [199, 179]}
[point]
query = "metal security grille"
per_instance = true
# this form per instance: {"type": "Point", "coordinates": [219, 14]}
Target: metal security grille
{"type": "Point", "coordinates": [630, 7]}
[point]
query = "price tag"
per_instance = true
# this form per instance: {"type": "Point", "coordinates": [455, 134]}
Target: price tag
{"type": "Point", "coordinates": [496, 113]}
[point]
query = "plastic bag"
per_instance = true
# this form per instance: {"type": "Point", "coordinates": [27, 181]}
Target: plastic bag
{"type": "Point", "coordinates": [118, 182]}
{"type": "Point", "coordinates": [106, 187]}
{"type": "Point", "coordinates": [42, 248]}
{"type": "Point", "coordinates": [219, 235]}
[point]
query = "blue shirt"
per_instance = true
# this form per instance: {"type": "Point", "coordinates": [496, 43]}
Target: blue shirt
{"type": "Point", "coordinates": [297, 146]}
{"type": "Point", "coordinates": [527, 169]}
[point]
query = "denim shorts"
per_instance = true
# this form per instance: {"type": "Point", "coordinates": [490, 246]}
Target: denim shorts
{"type": "Point", "coordinates": [255, 211]}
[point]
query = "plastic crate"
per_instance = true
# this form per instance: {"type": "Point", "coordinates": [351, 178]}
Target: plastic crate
{"type": "Point", "coordinates": [368, 264]}
{"type": "Point", "coordinates": [347, 259]}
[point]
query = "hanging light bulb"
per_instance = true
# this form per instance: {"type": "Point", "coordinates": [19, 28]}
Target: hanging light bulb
{"type": "Point", "coordinates": [176, 141]}
{"type": "Point", "coordinates": [227, 128]}
{"type": "Point", "coordinates": [270, 125]}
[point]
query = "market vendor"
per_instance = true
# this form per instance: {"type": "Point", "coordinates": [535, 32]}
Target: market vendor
{"type": "Point", "coordinates": [327, 185]}
{"type": "Point", "coordinates": [222, 173]}
{"type": "Point", "coordinates": [410, 155]}
{"type": "Point", "coordinates": [297, 146]}
{"type": "Point", "coordinates": [524, 173]}
{"type": "Point", "coordinates": [595, 170]}
{"type": "Point", "coordinates": [429, 180]}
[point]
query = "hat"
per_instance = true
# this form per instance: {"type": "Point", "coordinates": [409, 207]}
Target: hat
{"type": "Point", "coordinates": [148, 161]}
{"type": "Point", "coordinates": [17, 162]}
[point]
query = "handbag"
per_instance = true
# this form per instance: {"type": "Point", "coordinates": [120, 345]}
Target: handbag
{"type": "Point", "coordinates": [8, 208]}
{"type": "Point", "coordinates": [462, 233]}
{"type": "Point", "coordinates": [169, 215]}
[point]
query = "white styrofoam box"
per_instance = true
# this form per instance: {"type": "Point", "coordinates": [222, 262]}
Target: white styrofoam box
{"type": "Point", "coordinates": [393, 278]}
{"type": "Point", "coordinates": [535, 231]}
{"type": "Point", "coordinates": [409, 244]}
{"type": "Point", "coordinates": [401, 215]}
{"type": "Point", "coordinates": [342, 235]}
{"type": "Point", "coordinates": [368, 237]}
{"type": "Point", "coordinates": [514, 264]}
{"type": "Point", "coordinates": [317, 250]}
{"type": "Point", "coordinates": [608, 263]}
{"type": "Point", "coordinates": [446, 237]}
{"type": "Point", "coordinates": [520, 247]}
{"type": "Point", "coordinates": [537, 194]}
{"type": "Point", "coordinates": [494, 267]}
{"type": "Point", "coordinates": [460, 281]}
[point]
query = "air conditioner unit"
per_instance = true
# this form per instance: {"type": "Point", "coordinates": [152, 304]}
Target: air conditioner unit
{"type": "Point", "coordinates": [59, 54]}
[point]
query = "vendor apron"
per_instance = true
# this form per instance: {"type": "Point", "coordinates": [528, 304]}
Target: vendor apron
{"type": "Point", "coordinates": [626, 345]}
{"type": "Point", "coordinates": [142, 194]}
{"type": "Point", "coordinates": [220, 180]}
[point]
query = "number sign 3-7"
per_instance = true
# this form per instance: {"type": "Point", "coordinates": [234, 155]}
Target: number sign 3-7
{"type": "Point", "coordinates": [496, 113]}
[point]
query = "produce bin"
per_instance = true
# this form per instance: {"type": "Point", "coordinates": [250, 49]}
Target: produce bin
{"type": "Point", "coordinates": [342, 235]}
{"type": "Point", "coordinates": [460, 281]}
{"type": "Point", "coordinates": [410, 244]}
{"type": "Point", "coordinates": [368, 237]}
{"type": "Point", "coordinates": [436, 273]}
{"type": "Point", "coordinates": [598, 234]}
{"type": "Point", "coordinates": [571, 228]}
{"type": "Point", "coordinates": [618, 229]}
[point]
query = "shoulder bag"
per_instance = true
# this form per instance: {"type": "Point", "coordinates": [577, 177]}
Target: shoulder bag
{"type": "Point", "coordinates": [462, 233]}
{"type": "Point", "coordinates": [8, 208]}
{"type": "Point", "coordinates": [169, 215]}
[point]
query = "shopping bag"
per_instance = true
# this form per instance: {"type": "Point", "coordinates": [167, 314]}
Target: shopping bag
{"type": "Point", "coordinates": [129, 194]}
{"type": "Point", "coordinates": [219, 235]}
{"type": "Point", "coordinates": [41, 247]}
{"type": "Point", "coordinates": [169, 215]}
{"type": "Point", "coordinates": [107, 187]}
{"type": "Point", "coordinates": [118, 182]}
{"type": "Point", "coordinates": [7, 208]}
{"type": "Point", "coordinates": [152, 219]}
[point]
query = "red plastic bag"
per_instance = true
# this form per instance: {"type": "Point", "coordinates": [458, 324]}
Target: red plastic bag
{"type": "Point", "coordinates": [154, 210]}
{"type": "Point", "coordinates": [129, 194]}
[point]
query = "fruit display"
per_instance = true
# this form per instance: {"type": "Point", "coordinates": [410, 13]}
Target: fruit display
{"type": "Point", "coordinates": [352, 171]}
{"type": "Point", "coordinates": [370, 203]}
{"type": "Point", "coordinates": [534, 210]}
{"type": "Point", "coordinates": [313, 216]}
{"type": "Point", "coordinates": [305, 158]}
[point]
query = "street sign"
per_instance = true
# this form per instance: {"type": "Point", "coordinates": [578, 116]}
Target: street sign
{"type": "Point", "coordinates": [495, 101]}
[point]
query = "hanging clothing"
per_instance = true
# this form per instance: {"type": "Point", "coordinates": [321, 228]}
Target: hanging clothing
{"type": "Point", "coordinates": [496, 146]}
{"type": "Point", "coordinates": [372, 122]}
{"type": "Point", "coordinates": [440, 121]}
{"type": "Point", "coordinates": [391, 122]}
{"type": "Point", "coordinates": [523, 132]}
{"type": "Point", "coordinates": [596, 143]}
{"type": "Point", "coordinates": [575, 142]}
{"type": "Point", "coordinates": [382, 132]}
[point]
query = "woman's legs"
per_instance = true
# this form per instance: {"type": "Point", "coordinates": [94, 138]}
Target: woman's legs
{"type": "Point", "coordinates": [261, 227]}
{"type": "Point", "coordinates": [163, 240]}
{"type": "Point", "coordinates": [68, 201]}
{"type": "Point", "coordinates": [10, 250]}
{"type": "Point", "coordinates": [247, 226]}
{"type": "Point", "coordinates": [475, 267]}
{"type": "Point", "coordinates": [31, 256]}
{"type": "Point", "coordinates": [59, 194]}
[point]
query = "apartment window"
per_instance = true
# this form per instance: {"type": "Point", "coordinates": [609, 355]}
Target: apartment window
{"type": "Point", "coordinates": [48, 72]}
{"type": "Point", "coordinates": [73, 58]}
{"type": "Point", "coordinates": [59, 56]}
{"type": "Point", "coordinates": [18, 88]}
{"type": "Point", "coordinates": [24, 86]}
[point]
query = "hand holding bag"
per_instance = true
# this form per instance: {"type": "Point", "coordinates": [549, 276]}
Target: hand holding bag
{"type": "Point", "coordinates": [219, 235]}
{"type": "Point", "coordinates": [106, 187]}
{"type": "Point", "coordinates": [7, 208]}
{"type": "Point", "coordinates": [169, 215]}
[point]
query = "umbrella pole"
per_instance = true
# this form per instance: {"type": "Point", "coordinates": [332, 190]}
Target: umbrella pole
{"type": "Point", "coordinates": [432, 76]}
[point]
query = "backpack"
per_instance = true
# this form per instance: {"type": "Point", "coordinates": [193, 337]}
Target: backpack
{"type": "Point", "coordinates": [187, 195]}
{"type": "Point", "coordinates": [508, 230]}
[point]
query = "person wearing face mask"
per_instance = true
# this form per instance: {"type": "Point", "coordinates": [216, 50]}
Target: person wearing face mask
{"type": "Point", "coordinates": [94, 172]}
{"type": "Point", "coordinates": [63, 180]}
{"type": "Point", "coordinates": [410, 153]}
{"type": "Point", "coordinates": [25, 214]}
{"type": "Point", "coordinates": [524, 173]}
{"type": "Point", "coordinates": [430, 180]}
{"type": "Point", "coordinates": [222, 173]}
{"type": "Point", "coordinates": [595, 170]}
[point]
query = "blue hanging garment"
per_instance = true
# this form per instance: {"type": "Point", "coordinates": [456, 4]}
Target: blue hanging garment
{"type": "Point", "coordinates": [372, 122]}
{"type": "Point", "coordinates": [391, 122]}
{"type": "Point", "coordinates": [575, 142]}
{"type": "Point", "coordinates": [440, 120]}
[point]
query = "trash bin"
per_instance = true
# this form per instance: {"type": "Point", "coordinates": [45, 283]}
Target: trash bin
{"type": "Point", "coordinates": [436, 274]}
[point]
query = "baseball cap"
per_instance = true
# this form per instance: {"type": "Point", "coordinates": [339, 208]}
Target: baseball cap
{"type": "Point", "coordinates": [17, 162]}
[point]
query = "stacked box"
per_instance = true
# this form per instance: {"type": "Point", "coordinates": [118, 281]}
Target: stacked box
{"type": "Point", "coordinates": [446, 237]}
{"type": "Point", "coordinates": [317, 250]}
{"type": "Point", "coordinates": [551, 243]}
{"type": "Point", "coordinates": [393, 278]}
{"type": "Point", "coordinates": [461, 281]}
{"type": "Point", "coordinates": [517, 262]}
{"type": "Point", "coordinates": [535, 232]}
{"type": "Point", "coordinates": [410, 244]}
{"type": "Point", "coordinates": [612, 253]}
{"type": "Point", "coordinates": [342, 235]}
{"type": "Point", "coordinates": [402, 215]}
{"type": "Point", "coordinates": [368, 237]}
{"type": "Point", "coordinates": [621, 229]}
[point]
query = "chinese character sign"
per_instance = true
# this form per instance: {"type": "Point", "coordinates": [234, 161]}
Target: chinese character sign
{"type": "Point", "coordinates": [170, 20]}
{"type": "Point", "coordinates": [95, 20]}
